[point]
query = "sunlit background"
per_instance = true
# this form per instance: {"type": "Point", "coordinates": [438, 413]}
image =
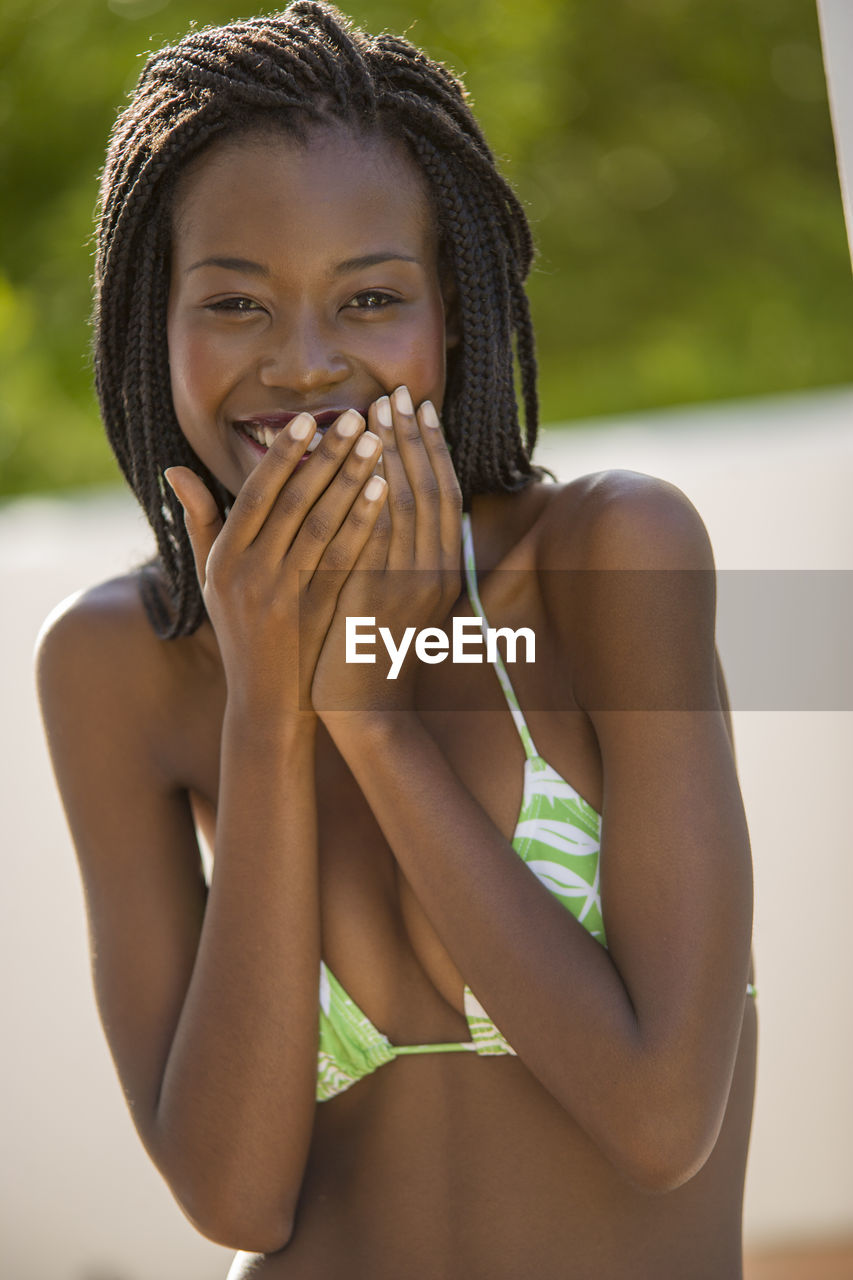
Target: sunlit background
{"type": "Point", "coordinates": [675, 157]}
{"type": "Point", "coordinates": [694, 309]}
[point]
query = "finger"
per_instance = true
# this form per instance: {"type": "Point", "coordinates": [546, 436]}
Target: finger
{"type": "Point", "coordinates": [409, 435]}
{"type": "Point", "coordinates": [401, 500]}
{"type": "Point", "coordinates": [201, 514]}
{"type": "Point", "coordinates": [374, 553]}
{"type": "Point", "coordinates": [345, 550]}
{"type": "Point", "coordinates": [328, 531]}
{"type": "Point", "coordinates": [342, 555]}
{"type": "Point", "coordinates": [335, 466]}
{"type": "Point", "coordinates": [450, 494]}
{"type": "Point", "coordinates": [258, 495]}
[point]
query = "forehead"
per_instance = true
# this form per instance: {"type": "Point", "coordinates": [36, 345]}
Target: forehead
{"type": "Point", "coordinates": [334, 190]}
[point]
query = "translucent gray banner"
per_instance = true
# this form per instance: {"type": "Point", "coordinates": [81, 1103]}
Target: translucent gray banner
{"type": "Point", "coordinates": [597, 640]}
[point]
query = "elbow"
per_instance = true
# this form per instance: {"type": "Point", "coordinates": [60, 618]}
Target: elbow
{"type": "Point", "coordinates": [230, 1202]}
{"type": "Point", "coordinates": [663, 1148]}
{"type": "Point", "coordinates": [234, 1226]}
{"type": "Point", "coordinates": [657, 1171]}
{"type": "Point", "coordinates": [232, 1196]}
{"type": "Point", "coordinates": [242, 1232]}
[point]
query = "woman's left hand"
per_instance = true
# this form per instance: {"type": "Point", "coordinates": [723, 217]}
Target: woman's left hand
{"type": "Point", "coordinates": [408, 573]}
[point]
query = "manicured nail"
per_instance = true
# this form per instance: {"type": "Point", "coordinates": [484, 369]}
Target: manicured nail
{"type": "Point", "coordinates": [349, 423]}
{"type": "Point", "coordinates": [302, 427]}
{"type": "Point", "coordinates": [403, 401]}
{"type": "Point", "coordinates": [367, 445]}
{"type": "Point", "coordinates": [374, 487]}
{"type": "Point", "coordinates": [383, 411]}
{"type": "Point", "coordinates": [429, 414]}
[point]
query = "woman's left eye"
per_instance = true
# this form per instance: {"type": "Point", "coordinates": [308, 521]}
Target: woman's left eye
{"type": "Point", "coordinates": [372, 300]}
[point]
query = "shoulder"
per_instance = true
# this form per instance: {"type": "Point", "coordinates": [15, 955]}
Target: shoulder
{"type": "Point", "coordinates": [101, 667]}
{"type": "Point", "coordinates": [621, 520]}
{"type": "Point", "coordinates": [626, 575]}
{"type": "Point", "coordinates": [98, 656]}
{"type": "Point", "coordinates": [96, 625]}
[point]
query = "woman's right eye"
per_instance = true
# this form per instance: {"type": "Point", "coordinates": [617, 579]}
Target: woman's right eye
{"type": "Point", "coordinates": [238, 304]}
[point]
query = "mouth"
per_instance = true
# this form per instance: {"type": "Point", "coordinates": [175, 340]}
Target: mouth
{"type": "Point", "coordinates": [260, 431]}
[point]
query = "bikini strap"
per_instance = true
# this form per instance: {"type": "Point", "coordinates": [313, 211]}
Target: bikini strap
{"type": "Point", "coordinates": [500, 670]}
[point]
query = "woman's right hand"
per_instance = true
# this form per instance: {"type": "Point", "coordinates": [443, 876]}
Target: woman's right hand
{"type": "Point", "coordinates": [269, 608]}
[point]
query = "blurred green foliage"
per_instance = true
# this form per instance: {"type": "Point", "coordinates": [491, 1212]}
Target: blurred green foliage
{"type": "Point", "coordinates": [675, 157]}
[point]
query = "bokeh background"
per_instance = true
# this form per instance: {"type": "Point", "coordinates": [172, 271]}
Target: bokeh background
{"type": "Point", "coordinates": [676, 158]}
{"type": "Point", "coordinates": [694, 308]}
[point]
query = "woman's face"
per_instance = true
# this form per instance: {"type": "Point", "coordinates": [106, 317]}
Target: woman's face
{"type": "Point", "coordinates": [304, 277]}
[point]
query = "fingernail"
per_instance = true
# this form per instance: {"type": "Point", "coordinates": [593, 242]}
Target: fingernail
{"type": "Point", "coordinates": [171, 486]}
{"type": "Point", "coordinates": [403, 401]}
{"type": "Point", "coordinates": [349, 423]}
{"type": "Point", "coordinates": [383, 411]}
{"type": "Point", "coordinates": [367, 445]}
{"type": "Point", "coordinates": [302, 427]}
{"type": "Point", "coordinates": [429, 414]}
{"type": "Point", "coordinates": [374, 487]}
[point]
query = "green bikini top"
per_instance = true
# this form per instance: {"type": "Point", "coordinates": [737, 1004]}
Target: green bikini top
{"type": "Point", "coordinates": [557, 834]}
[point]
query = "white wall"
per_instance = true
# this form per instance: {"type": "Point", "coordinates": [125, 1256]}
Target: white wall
{"type": "Point", "coordinates": [79, 1199]}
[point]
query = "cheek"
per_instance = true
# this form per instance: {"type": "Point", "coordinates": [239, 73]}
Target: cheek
{"type": "Point", "coordinates": [420, 356]}
{"type": "Point", "coordinates": [438, 353]}
{"type": "Point", "coordinates": [196, 373]}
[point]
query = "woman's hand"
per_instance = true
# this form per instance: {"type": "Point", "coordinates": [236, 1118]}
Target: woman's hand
{"type": "Point", "coordinates": [271, 572]}
{"type": "Point", "coordinates": [408, 573]}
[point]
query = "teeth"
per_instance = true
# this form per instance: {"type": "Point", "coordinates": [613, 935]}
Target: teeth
{"type": "Point", "coordinates": [266, 435]}
{"type": "Point", "coordinates": [263, 435]}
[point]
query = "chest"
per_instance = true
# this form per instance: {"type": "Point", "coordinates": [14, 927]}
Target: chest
{"type": "Point", "coordinates": [376, 937]}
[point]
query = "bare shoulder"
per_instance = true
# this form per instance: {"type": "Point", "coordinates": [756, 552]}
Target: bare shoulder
{"type": "Point", "coordinates": [622, 520]}
{"type": "Point", "coordinates": [98, 659]}
{"type": "Point", "coordinates": [626, 575]}
{"type": "Point", "coordinates": [112, 608]}
{"type": "Point", "coordinates": [100, 630]}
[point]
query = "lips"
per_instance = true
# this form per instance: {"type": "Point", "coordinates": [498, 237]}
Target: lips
{"type": "Point", "coordinates": [261, 429]}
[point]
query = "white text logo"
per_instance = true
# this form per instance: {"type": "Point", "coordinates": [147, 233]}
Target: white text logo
{"type": "Point", "coordinates": [433, 645]}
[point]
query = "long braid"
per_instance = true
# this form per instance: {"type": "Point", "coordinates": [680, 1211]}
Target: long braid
{"type": "Point", "coordinates": [305, 66]}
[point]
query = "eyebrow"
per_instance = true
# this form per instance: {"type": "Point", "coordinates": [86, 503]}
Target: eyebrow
{"type": "Point", "coordinates": [342, 269]}
{"type": "Point", "coordinates": [231, 264]}
{"type": "Point", "coordinates": [371, 260]}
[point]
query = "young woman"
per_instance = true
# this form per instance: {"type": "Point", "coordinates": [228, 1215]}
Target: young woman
{"type": "Point", "coordinates": [466, 993]}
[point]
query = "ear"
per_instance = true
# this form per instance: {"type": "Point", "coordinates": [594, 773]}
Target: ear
{"type": "Point", "coordinates": [450, 295]}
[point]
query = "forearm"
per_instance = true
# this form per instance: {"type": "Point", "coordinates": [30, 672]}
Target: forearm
{"type": "Point", "coordinates": [555, 992]}
{"type": "Point", "coordinates": [531, 965]}
{"type": "Point", "coordinates": [237, 1099]}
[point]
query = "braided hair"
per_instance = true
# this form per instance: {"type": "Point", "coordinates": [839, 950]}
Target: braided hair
{"type": "Point", "coordinates": [306, 66]}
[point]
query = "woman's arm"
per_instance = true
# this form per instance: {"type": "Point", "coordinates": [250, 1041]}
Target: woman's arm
{"type": "Point", "coordinates": [638, 1043]}
{"type": "Point", "coordinates": [209, 999]}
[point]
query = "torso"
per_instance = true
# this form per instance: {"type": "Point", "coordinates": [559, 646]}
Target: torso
{"type": "Point", "coordinates": [448, 1164]}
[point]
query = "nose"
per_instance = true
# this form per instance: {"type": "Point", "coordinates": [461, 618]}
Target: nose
{"type": "Point", "coordinates": [303, 355]}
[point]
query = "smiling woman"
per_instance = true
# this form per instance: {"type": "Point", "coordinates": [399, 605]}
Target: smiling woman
{"type": "Point", "coordinates": [430, 938]}
{"type": "Point", "coordinates": [332, 300]}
